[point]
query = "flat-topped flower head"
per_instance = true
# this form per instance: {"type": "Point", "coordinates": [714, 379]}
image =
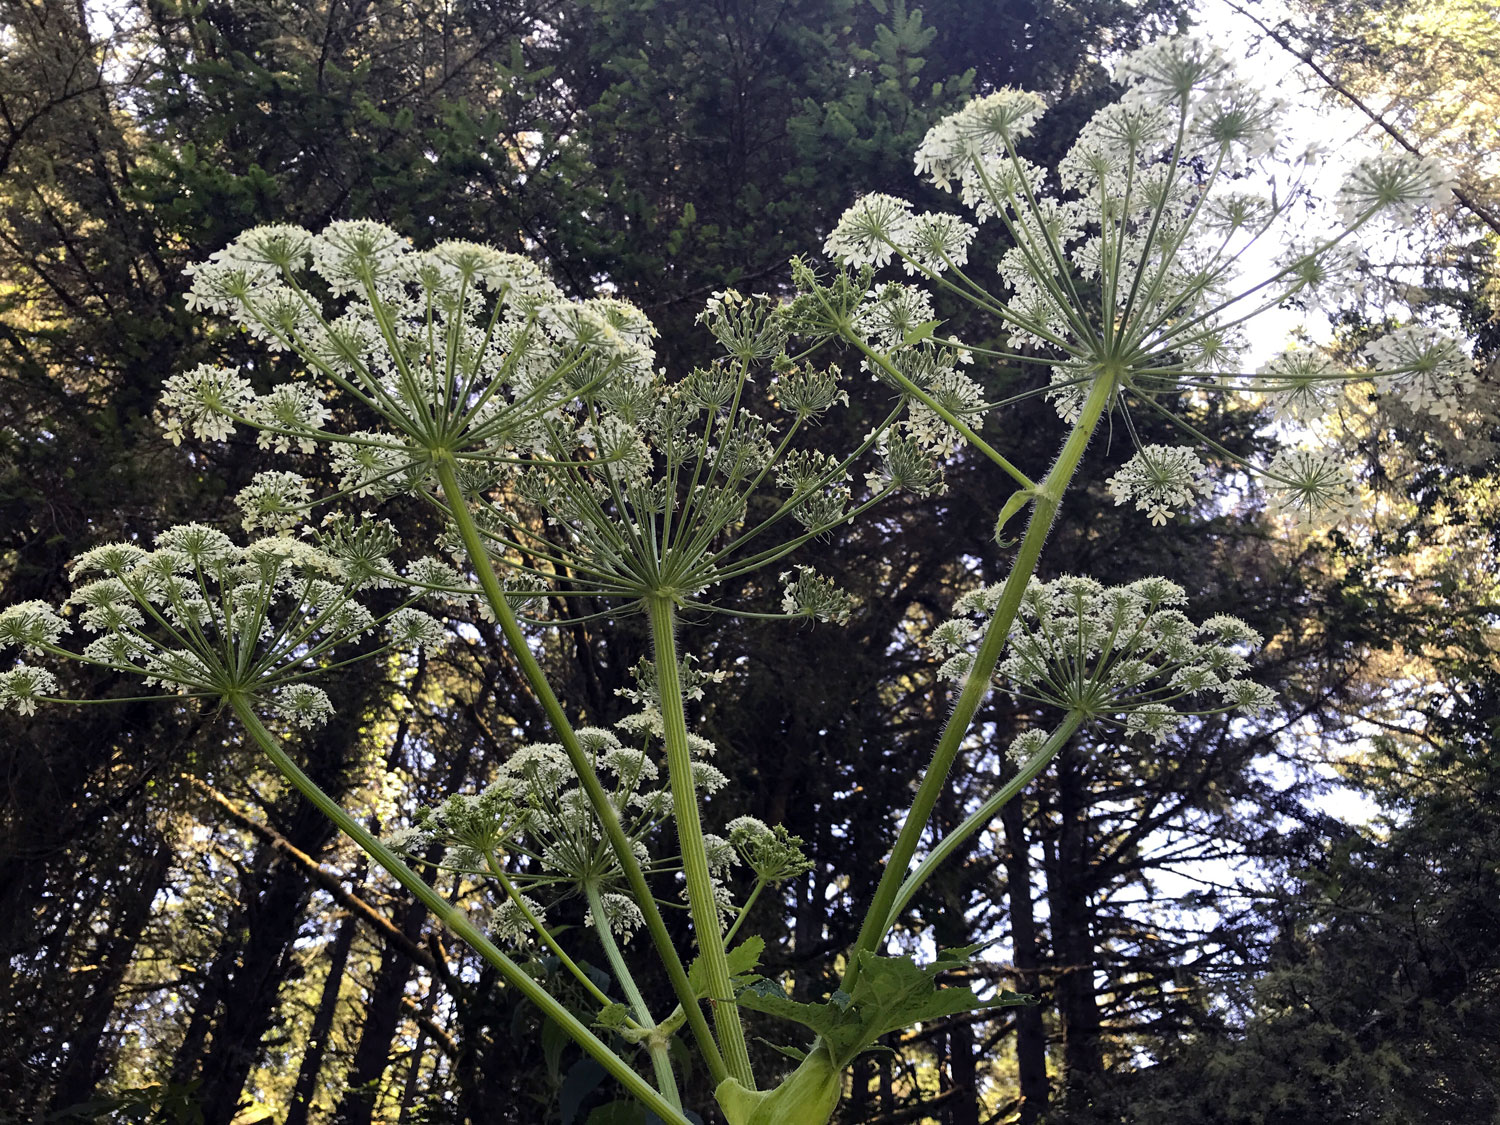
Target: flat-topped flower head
{"type": "Point", "coordinates": [32, 626]}
{"type": "Point", "coordinates": [1171, 70]}
{"type": "Point", "coordinates": [205, 402]}
{"type": "Point", "coordinates": [749, 328]}
{"type": "Point", "coordinates": [23, 687]}
{"type": "Point", "coordinates": [868, 233]}
{"type": "Point", "coordinates": [206, 617]}
{"type": "Point", "coordinates": [988, 126]}
{"type": "Point", "coordinates": [1428, 369]}
{"type": "Point", "coordinates": [1312, 487]}
{"type": "Point", "coordinates": [1161, 480]}
{"type": "Point", "coordinates": [1303, 384]}
{"type": "Point", "coordinates": [1396, 184]}
{"type": "Point", "coordinates": [355, 254]}
{"type": "Point", "coordinates": [1121, 655]}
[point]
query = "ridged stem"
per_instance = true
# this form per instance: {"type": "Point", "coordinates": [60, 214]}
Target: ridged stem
{"type": "Point", "coordinates": [588, 780]}
{"type": "Point", "coordinates": [700, 888]}
{"type": "Point", "coordinates": [1045, 503]}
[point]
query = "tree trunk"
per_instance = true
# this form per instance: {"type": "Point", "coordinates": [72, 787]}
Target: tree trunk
{"type": "Point", "coordinates": [963, 1107]}
{"type": "Point", "coordinates": [1073, 944]}
{"type": "Point", "coordinates": [1031, 1032]}
{"type": "Point", "coordinates": [88, 1057]}
{"type": "Point", "coordinates": [382, 1018]}
{"type": "Point", "coordinates": [317, 1038]}
{"type": "Point", "coordinates": [250, 995]}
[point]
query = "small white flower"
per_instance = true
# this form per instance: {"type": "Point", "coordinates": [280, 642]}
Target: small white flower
{"type": "Point", "coordinates": [411, 628]}
{"type": "Point", "coordinates": [986, 126]}
{"type": "Point", "coordinates": [294, 407]}
{"type": "Point", "coordinates": [1304, 385]}
{"type": "Point", "coordinates": [1169, 70]}
{"type": "Point", "coordinates": [356, 253]}
{"type": "Point", "coordinates": [197, 543]}
{"type": "Point", "coordinates": [1310, 486]}
{"type": "Point", "coordinates": [807, 594]}
{"type": "Point", "coordinates": [32, 626]}
{"type": "Point", "coordinates": [303, 705]}
{"type": "Point", "coordinates": [1160, 479]}
{"type": "Point", "coordinates": [202, 400]}
{"type": "Point", "coordinates": [868, 232]}
{"type": "Point", "coordinates": [274, 501]}
{"type": "Point", "coordinates": [1025, 746]}
{"type": "Point", "coordinates": [1397, 183]}
{"type": "Point", "coordinates": [935, 240]}
{"type": "Point", "coordinates": [620, 911]}
{"type": "Point", "coordinates": [23, 686]}
{"type": "Point", "coordinates": [895, 312]}
{"type": "Point", "coordinates": [1428, 369]}
{"type": "Point", "coordinates": [109, 558]}
{"type": "Point", "coordinates": [280, 246]}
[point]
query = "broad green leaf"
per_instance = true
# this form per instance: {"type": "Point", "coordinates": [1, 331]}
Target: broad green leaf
{"type": "Point", "coordinates": [921, 332]}
{"type": "Point", "coordinates": [890, 994]}
{"type": "Point", "coordinates": [742, 959]}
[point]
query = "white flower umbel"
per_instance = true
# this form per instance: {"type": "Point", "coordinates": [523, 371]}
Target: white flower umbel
{"type": "Point", "coordinates": [1125, 656]}
{"type": "Point", "coordinates": [1137, 273]}
{"type": "Point", "coordinates": [1160, 479]}
{"type": "Point", "coordinates": [23, 686]}
{"type": "Point", "coordinates": [1312, 487]}
{"type": "Point", "coordinates": [207, 618]}
{"type": "Point", "coordinates": [1428, 369]}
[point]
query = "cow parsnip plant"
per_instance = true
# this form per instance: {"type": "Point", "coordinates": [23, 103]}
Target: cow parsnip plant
{"type": "Point", "coordinates": [562, 460]}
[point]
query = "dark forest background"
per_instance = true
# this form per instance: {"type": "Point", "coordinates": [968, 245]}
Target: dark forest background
{"type": "Point", "coordinates": [185, 940]}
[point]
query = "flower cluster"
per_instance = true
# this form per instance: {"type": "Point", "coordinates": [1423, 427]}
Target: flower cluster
{"type": "Point", "coordinates": [1160, 479]}
{"type": "Point", "coordinates": [1121, 655]}
{"type": "Point", "coordinates": [202, 616]}
{"type": "Point", "coordinates": [462, 350]}
{"type": "Point", "coordinates": [658, 491]}
{"type": "Point", "coordinates": [534, 829]}
{"type": "Point", "coordinates": [1130, 267]}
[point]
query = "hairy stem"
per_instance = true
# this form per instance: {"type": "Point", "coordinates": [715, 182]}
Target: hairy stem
{"type": "Point", "coordinates": [700, 888]}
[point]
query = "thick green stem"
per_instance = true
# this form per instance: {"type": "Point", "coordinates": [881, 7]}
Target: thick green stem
{"type": "Point", "coordinates": [452, 917]}
{"type": "Point", "coordinates": [656, 1042]}
{"type": "Point", "coordinates": [1046, 500]}
{"type": "Point", "coordinates": [700, 887]}
{"type": "Point", "coordinates": [983, 814]}
{"type": "Point", "coordinates": [588, 780]}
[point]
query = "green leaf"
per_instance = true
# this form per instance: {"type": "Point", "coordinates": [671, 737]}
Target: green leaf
{"type": "Point", "coordinates": [554, 1040]}
{"type": "Point", "coordinates": [796, 1054]}
{"type": "Point", "coordinates": [919, 333]}
{"type": "Point", "coordinates": [742, 959]}
{"type": "Point", "coordinates": [583, 1079]}
{"type": "Point", "coordinates": [612, 1016]}
{"type": "Point", "coordinates": [891, 993]}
